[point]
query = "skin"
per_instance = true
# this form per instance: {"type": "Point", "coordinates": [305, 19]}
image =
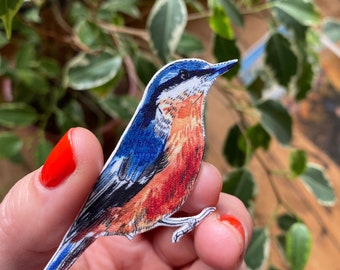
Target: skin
{"type": "Point", "coordinates": [33, 220]}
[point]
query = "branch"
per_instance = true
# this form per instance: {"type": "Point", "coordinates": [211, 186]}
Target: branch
{"type": "Point", "coordinates": [124, 30]}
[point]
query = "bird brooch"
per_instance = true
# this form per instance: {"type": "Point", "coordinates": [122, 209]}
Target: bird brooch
{"type": "Point", "coordinates": [154, 166]}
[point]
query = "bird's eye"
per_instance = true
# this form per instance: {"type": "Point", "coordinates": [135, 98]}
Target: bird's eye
{"type": "Point", "coordinates": [184, 74]}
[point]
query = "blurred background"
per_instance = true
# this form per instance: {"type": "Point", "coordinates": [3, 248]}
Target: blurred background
{"type": "Point", "coordinates": [272, 123]}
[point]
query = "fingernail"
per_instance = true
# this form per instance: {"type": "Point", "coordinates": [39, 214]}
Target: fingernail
{"type": "Point", "coordinates": [60, 163]}
{"type": "Point", "coordinates": [231, 220]}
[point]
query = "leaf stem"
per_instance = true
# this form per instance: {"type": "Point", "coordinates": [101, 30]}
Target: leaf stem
{"type": "Point", "coordinates": [199, 16]}
{"type": "Point", "coordinates": [124, 30]}
{"type": "Point", "coordinates": [258, 9]}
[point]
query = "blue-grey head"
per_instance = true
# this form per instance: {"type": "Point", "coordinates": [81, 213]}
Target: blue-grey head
{"type": "Point", "coordinates": [184, 77]}
{"type": "Point", "coordinates": [191, 75]}
{"type": "Point", "coordinates": [180, 79]}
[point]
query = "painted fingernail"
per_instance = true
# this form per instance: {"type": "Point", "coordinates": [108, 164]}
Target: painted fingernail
{"type": "Point", "coordinates": [235, 223]}
{"type": "Point", "coordinates": [60, 163]}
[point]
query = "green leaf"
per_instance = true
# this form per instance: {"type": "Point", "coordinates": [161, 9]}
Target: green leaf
{"type": "Point", "coordinates": [219, 22]}
{"type": "Point", "coordinates": [166, 24]}
{"type": "Point", "coordinates": [189, 45]}
{"type": "Point", "coordinates": [255, 88]}
{"type": "Point", "coordinates": [298, 29]}
{"type": "Point", "coordinates": [17, 114]}
{"type": "Point", "coordinates": [3, 40]}
{"type": "Point", "coordinates": [298, 246]}
{"type": "Point", "coordinates": [145, 69]}
{"type": "Point", "coordinates": [233, 149]}
{"type": "Point", "coordinates": [281, 59]}
{"type": "Point", "coordinates": [25, 56]}
{"type": "Point", "coordinates": [70, 116]}
{"type": "Point", "coordinates": [258, 137]}
{"type": "Point", "coordinates": [313, 38]}
{"type": "Point", "coordinates": [42, 151]}
{"type": "Point", "coordinates": [304, 80]}
{"type": "Point", "coordinates": [285, 221]}
{"type": "Point", "coordinates": [106, 89]}
{"type": "Point", "coordinates": [224, 50]}
{"type": "Point", "coordinates": [49, 67]}
{"type": "Point", "coordinates": [316, 181]}
{"type": "Point", "coordinates": [331, 29]}
{"type": "Point", "coordinates": [122, 107]}
{"type": "Point", "coordinates": [4, 67]}
{"type": "Point", "coordinates": [258, 249]}
{"type": "Point", "coordinates": [232, 11]}
{"type": "Point", "coordinates": [86, 71]}
{"type": "Point", "coordinates": [33, 14]}
{"type": "Point", "coordinates": [196, 5]}
{"type": "Point", "coordinates": [297, 162]}
{"type": "Point", "coordinates": [276, 120]}
{"type": "Point", "coordinates": [78, 12]}
{"type": "Point", "coordinates": [91, 35]}
{"type": "Point", "coordinates": [301, 10]}
{"type": "Point", "coordinates": [10, 145]}
{"type": "Point", "coordinates": [30, 80]}
{"type": "Point", "coordinates": [128, 7]}
{"type": "Point", "coordinates": [241, 184]}
{"type": "Point", "coordinates": [8, 9]}
{"type": "Point", "coordinates": [237, 146]}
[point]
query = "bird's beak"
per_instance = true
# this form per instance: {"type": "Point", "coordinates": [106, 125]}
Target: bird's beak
{"type": "Point", "coordinates": [221, 68]}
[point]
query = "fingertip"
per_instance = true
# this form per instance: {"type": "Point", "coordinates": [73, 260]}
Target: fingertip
{"type": "Point", "coordinates": [77, 150]}
{"type": "Point", "coordinates": [87, 149]}
{"type": "Point", "coordinates": [232, 206]}
{"type": "Point", "coordinates": [218, 244]}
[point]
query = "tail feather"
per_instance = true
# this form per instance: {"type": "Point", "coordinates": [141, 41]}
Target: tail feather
{"type": "Point", "coordinates": [67, 253]}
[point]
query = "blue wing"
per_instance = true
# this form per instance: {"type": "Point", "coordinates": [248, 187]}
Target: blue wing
{"type": "Point", "coordinates": [138, 157]}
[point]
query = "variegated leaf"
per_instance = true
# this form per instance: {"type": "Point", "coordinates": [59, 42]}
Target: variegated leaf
{"type": "Point", "coordinates": [166, 24]}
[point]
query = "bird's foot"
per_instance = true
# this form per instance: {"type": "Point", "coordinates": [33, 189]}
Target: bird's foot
{"type": "Point", "coordinates": [185, 224]}
{"type": "Point", "coordinates": [129, 236]}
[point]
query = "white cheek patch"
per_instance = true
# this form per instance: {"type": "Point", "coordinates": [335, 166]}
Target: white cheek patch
{"type": "Point", "coordinates": [183, 89]}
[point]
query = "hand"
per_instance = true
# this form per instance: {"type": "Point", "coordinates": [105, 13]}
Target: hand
{"type": "Point", "coordinates": [34, 218]}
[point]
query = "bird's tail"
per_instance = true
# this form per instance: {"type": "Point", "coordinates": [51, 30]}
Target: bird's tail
{"type": "Point", "coordinates": [67, 253]}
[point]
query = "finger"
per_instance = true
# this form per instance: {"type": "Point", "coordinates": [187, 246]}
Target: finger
{"type": "Point", "coordinates": [206, 193]}
{"type": "Point", "coordinates": [221, 239]}
{"type": "Point", "coordinates": [232, 206]}
{"type": "Point", "coordinates": [38, 210]}
{"type": "Point", "coordinates": [177, 254]}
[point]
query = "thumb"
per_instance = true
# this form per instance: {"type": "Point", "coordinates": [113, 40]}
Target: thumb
{"type": "Point", "coordinates": [38, 210]}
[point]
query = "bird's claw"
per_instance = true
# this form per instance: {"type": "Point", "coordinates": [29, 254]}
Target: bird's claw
{"type": "Point", "coordinates": [129, 236]}
{"type": "Point", "coordinates": [186, 224]}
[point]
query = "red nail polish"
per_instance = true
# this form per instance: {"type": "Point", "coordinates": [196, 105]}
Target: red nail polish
{"type": "Point", "coordinates": [60, 163]}
{"type": "Point", "coordinates": [235, 223]}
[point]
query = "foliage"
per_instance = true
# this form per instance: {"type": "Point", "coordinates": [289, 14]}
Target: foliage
{"type": "Point", "coordinates": [8, 9]}
{"type": "Point", "coordinates": [86, 62]}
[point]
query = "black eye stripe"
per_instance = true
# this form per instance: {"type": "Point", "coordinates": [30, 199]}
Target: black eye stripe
{"type": "Point", "coordinates": [184, 74]}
